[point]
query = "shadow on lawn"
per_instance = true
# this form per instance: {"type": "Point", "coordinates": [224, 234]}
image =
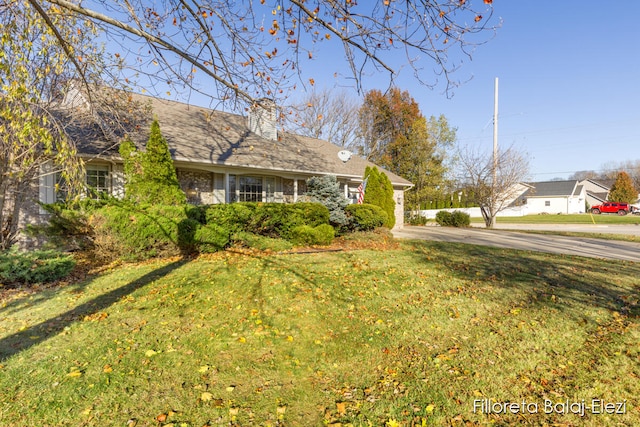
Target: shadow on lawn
{"type": "Point", "coordinates": [563, 281]}
{"type": "Point", "coordinates": [27, 338]}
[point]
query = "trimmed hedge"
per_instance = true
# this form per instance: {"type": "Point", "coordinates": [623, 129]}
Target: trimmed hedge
{"type": "Point", "coordinates": [136, 234]}
{"type": "Point", "coordinates": [365, 217]}
{"type": "Point", "coordinates": [32, 267]}
{"type": "Point", "coordinates": [211, 238]}
{"type": "Point", "coordinates": [133, 233]}
{"type": "Point", "coordinates": [307, 235]}
{"type": "Point", "coordinates": [263, 243]}
{"type": "Point", "coordinates": [453, 219]}
{"type": "Point", "coordinates": [276, 220]}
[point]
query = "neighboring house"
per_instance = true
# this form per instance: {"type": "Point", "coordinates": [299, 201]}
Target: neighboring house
{"type": "Point", "coordinates": [224, 158]}
{"type": "Point", "coordinates": [597, 192]}
{"type": "Point", "coordinates": [555, 197]}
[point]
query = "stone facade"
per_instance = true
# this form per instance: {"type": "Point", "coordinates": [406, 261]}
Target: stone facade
{"type": "Point", "coordinates": [197, 185]}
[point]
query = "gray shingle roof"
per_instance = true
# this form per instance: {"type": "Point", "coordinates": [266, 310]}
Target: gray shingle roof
{"type": "Point", "coordinates": [208, 137]}
{"type": "Point", "coordinates": [553, 188]}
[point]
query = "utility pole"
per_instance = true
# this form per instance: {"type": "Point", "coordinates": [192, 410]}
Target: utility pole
{"type": "Point", "coordinates": [495, 131]}
{"type": "Point", "coordinates": [495, 149]}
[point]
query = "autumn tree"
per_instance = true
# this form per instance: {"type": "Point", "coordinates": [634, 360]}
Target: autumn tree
{"type": "Point", "coordinates": [491, 182]}
{"type": "Point", "coordinates": [623, 190]}
{"type": "Point", "coordinates": [31, 64]}
{"type": "Point", "coordinates": [253, 50]}
{"type": "Point", "coordinates": [46, 105]}
{"type": "Point", "coordinates": [395, 135]}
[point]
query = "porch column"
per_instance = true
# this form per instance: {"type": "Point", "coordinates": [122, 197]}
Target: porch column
{"type": "Point", "coordinates": [226, 187]}
{"type": "Point", "coordinates": [295, 190]}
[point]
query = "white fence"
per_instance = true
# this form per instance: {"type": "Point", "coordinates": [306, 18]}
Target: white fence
{"type": "Point", "coordinates": [475, 212]}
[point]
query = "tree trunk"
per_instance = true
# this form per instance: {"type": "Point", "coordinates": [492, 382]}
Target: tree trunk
{"type": "Point", "coordinates": [488, 216]}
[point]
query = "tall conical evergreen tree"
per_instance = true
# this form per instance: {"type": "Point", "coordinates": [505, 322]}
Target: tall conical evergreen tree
{"type": "Point", "coordinates": [151, 176]}
{"type": "Point", "coordinates": [379, 192]}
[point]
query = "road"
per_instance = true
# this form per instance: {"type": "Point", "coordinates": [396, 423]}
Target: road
{"type": "Point", "coordinates": [581, 246]}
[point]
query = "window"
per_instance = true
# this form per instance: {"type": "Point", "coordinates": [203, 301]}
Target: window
{"type": "Point", "coordinates": [61, 190]}
{"type": "Point", "coordinates": [251, 189]}
{"type": "Point", "coordinates": [547, 202]}
{"type": "Point", "coordinates": [97, 180]}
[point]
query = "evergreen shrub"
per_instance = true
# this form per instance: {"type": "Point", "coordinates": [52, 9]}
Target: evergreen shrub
{"type": "Point", "coordinates": [453, 219]}
{"type": "Point", "coordinates": [140, 233]}
{"type": "Point", "coordinates": [365, 217]}
{"type": "Point", "coordinates": [275, 220]}
{"type": "Point", "coordinates": [263, 243]}
{"type": "Point", "coordinates": [33, 267]}
{"type": "Point", "coordinates": [326, 191]}
{"type": "Point", "coordinates": [234, 216]}
{"type": "Point", "coordinates": [211, 238]}
{"type": "Point", "coordinates": [323, 234]}
{"type": "Point", "coordinates": [379, 192]}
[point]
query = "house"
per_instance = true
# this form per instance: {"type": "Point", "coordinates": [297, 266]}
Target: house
{"type": "Point", "coordinates": [555, 197]}
{"type": "Point", "coordinates": [224, 158]}
{"type": "Point", "coordinates": [597, 192]}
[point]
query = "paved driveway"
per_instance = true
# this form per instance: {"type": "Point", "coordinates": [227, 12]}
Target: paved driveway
{"type": "Point", "coordinates": [595, 248]}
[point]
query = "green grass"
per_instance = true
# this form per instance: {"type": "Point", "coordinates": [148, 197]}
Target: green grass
{"type": "Point", "coordinates": [410, 336]}
{"type": "Point", "coordinates": [566, 219]}
{"type": "Point", "coordinates": [603, 236]}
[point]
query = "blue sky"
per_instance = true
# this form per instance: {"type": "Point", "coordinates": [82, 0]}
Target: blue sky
{"type": "Point", "coordinates": [569, 86]}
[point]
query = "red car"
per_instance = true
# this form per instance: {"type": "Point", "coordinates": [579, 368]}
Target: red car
{"type": "Point", "coordinates": [610, 207]}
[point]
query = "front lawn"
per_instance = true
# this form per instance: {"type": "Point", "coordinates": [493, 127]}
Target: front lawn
{"type": "Point", "coordinates": [426, 334]}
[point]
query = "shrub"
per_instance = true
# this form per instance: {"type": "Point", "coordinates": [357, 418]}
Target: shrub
{"type": "Point", "coordinates": [278, 219]}
{"type": "Point", "coordinates": [136, 234]}
{"type": "Point", "coordinates": [416, 219]}
{"type": "Point", "coordinates": [460, 219]}
{"type": "Point", "coordinates": [453, 219]}
{"type": "Point", "coordinates": [67, 227]}
{"type": "Point", "coordinates": [326, 191]}
{"type": "Point", "coordinates": [234, 216]}
{"type": "Point", "coordinates": [267, 219]}
{"type": "Point", "coordinates": [34, 267]}
{"type": "Point", "coordinates": [307, 235]}
{"type": "Point", "coordinates": [379, 192]}
{"type": "Point", "coordinates": [151, 176]}
{"type": "Point", "coordinates": [187, 229]}
{"type": "Point", "coordinates": [263, 243]}
{"type": "Point", "coordinates": [365, 217]}
{"type": "Point", "coordinates": [211, 238]}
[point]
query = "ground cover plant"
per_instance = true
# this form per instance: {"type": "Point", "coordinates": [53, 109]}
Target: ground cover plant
{"type": "Point", "coordinates": [409, 336]}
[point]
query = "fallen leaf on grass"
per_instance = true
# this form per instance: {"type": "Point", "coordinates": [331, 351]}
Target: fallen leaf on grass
{"type": "Point", "coordinates": [206, 396]}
